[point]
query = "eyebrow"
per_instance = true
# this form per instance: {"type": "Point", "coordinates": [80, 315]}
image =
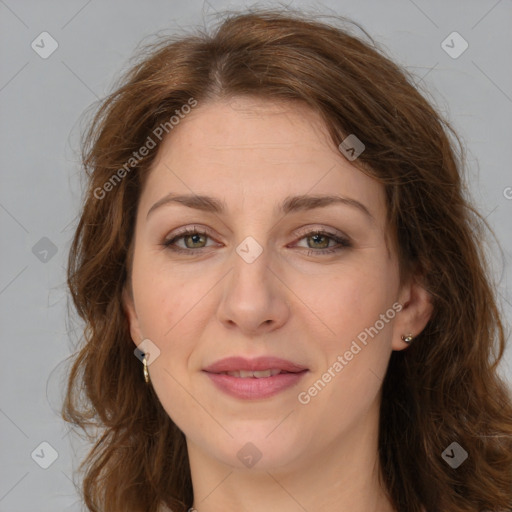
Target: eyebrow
{"type": "Point", "coordinates": [290, 204]}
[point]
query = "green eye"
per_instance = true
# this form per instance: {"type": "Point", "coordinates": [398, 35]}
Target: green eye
{"type": "Point", "coordinates": [193, 237]}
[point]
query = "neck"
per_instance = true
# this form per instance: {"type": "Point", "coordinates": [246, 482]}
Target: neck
{"type": "Point", "coordinates": [343, 476]}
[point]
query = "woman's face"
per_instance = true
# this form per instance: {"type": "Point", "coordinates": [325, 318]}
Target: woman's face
{"type": "Point", "coordinates": [261, 286]}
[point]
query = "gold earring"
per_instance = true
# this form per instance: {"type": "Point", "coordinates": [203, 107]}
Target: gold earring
{"type": "Point", "coordinates": [145, 368]}
{"type": "Point", "coordinates": [407, 338]}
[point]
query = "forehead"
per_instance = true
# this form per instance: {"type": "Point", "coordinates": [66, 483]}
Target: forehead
{"type": "Point", "coordinates": [255, 152]}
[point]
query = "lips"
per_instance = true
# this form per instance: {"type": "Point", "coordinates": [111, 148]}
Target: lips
{"type": "Point", "coordinates": [254, 378]}
{"type": "Point", "coordinates": [244, 374]}
{"type": "Point", "coordinates": [260, 364]}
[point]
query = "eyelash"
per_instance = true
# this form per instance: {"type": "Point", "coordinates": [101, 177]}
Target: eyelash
{"type": "Point", "coordinates": [343, 242]}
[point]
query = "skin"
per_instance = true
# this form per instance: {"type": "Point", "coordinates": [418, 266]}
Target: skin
{"type": "Point", "coordinates": [307, 308]}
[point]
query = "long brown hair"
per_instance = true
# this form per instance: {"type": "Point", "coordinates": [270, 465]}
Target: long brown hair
{"type": "Point", "coordinates": [444, 388]}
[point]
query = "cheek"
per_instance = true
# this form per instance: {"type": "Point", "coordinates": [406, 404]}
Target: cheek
{"type": "Point", "coordinates": [354, 359]}
{"type": "Point", "coordinates": [173, 311]}
{"type": "Point", "coordinates": [164, 297]}
{"type": "Point", "coordinates": [354, 340]}
{"type": "Point", "coordinates": [167, 308]}
{"type": "Point", "coordinates": [344, 303]}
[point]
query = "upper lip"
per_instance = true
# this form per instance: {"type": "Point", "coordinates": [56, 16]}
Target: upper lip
{"type": "Point", "coordinates": [232, 364]}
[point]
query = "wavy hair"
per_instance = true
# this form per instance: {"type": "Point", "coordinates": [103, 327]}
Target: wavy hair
{"type": "Point", "coordinates": [444, 388]}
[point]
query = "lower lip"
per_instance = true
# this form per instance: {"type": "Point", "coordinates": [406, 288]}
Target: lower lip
{"type": "Point", "coordinates": [253, 388]}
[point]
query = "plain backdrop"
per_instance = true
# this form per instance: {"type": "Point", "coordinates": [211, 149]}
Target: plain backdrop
{"type": "Point", "coordinates": [42, 99]}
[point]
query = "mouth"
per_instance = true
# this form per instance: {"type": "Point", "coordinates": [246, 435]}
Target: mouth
{"type": "Point", "coordinates": [258, 367]}
{"type": "Point", "coordinates": [254, 378]}
{"type": "Point", "coordinates": [261, 374]}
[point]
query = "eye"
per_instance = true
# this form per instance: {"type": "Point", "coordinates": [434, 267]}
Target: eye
{"type": "Point", "coordinates": [195, 239]}
{"type": "Point", "coordinates": [321, 240]}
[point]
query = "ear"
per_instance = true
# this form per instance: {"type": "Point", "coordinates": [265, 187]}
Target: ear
{"type": "Point", "coordinates": [131, 314]}
{"type": "Point", "coordinates": [416, 311]}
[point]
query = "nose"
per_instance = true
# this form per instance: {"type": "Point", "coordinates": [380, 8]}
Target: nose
{"type": "Point", "coordinates": [254, 298]}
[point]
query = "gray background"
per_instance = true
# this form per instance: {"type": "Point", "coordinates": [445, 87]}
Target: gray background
{"type": "Point", "coordinates": [41, 101]}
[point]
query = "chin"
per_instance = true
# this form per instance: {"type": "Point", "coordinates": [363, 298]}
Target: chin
{"type": "Point", "coordinates": [257, 452]}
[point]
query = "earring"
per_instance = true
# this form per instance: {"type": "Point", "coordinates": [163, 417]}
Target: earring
{"type": "Point", "coordinates": [145, 368]}
{"type": "Point", "coordinates": [407, 338]}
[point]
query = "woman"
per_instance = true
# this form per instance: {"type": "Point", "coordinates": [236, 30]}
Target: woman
{"type": "Point", "coordinates": [275, 222]}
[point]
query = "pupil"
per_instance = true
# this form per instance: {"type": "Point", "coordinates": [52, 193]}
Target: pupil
{"type": "Point", "coordinates": [316, 237]}
{"type": "Point", "coordinates": [195, 238]}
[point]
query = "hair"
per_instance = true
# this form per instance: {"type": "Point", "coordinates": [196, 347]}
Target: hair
{"type": "Point", "coordinates": [444, 388]}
